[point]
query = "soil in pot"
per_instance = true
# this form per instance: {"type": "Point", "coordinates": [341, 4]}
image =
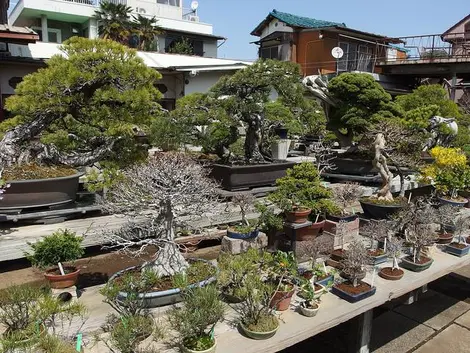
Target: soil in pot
{"type": "Point", "coordinates": [59, 281]}
{"type": "Point", "coordinates": [347, 287]}
{"type": "Point", "coordinates": [391, 274]}
{"type": "Point", "coordinates": [423, 263]}
{"type": "Point", "coordinates": [34, 171]}
{"type": "Point", "coordinates": [299, 215]}
{"type": "Point", "coordinates": [307, 274]}
{"type": "Point", "coordinates": [309, 309]}
{"type": "Point", "coordinates": [265, 328]}
{"type": "Point", "coordinates": [376, 252]}
{"type": "Point", "coordinates": [458, 246]}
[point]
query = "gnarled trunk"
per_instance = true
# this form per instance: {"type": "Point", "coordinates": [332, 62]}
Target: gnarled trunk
{"type": "Point", "coordinates": [253, 140]}
{"type": "Point", "coordinates": [380, 162]}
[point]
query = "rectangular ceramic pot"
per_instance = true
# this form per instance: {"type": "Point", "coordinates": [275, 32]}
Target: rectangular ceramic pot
{"type": "Point", "coordinates": [456, 251]}
{"type": "Point", "coordinates": [353, 298]}
{"type": "Point", "coordinates": [380, 259]}
{"type": "Point", "coordinates": [326, 281]}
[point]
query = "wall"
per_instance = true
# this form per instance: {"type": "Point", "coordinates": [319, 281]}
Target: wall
{"type": "Point", "coordinates": [275, 26]}
{"type": "Point", "coordinates": [204, 81]}
{"type": "Point", "coordinates": [210, 49]}
{"type": "Point", "coordinates": [314, 54]}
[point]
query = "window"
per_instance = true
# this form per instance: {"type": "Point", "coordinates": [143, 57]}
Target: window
{"type": "Point", "coordinates": [349, 60]}
{"type": "Point", "coordinates": [270, 53]}
{"type": "Point", "coordinates": [55, 35]}
{"type": "Point", "coordinates": [196, 45]}
{"type": "Point", "coordinates": [343, 61]}
{"type": "Point", "coordinates": [364, 59]}
{"type": "Point", "coordinates": [169, 2]}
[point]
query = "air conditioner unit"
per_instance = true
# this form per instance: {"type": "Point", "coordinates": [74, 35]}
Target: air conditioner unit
{"type": "Point", "coordinates": [194, 18]}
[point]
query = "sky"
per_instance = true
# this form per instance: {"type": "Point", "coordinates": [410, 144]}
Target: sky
{"type": "Point", "coordinates": [235, 19]}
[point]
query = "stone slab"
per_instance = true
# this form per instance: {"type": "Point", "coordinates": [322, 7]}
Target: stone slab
{"type": "Point", "coordinates": [344, 237]}
{"type": "Point", "coordinates": [238, 246]}
{"type": "Point", "coordinates": [464, 320]}
{"type": "Point", "coordinates": [394, 333]}
{"type": "Point", "coordinates": [454, 339]}
{"type": "Point", "coordinates": [434, 309]}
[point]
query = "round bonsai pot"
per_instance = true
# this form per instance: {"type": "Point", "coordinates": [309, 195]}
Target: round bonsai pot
{"type": "Point", "coordinates": [258, 335]}
{"type": "Point", "coordinates": [161, 298]}
{"type": "Point", "coordinates": [391, 274]}
{"type": "Point", "coordinates": [445, 238]}
{"type": "Point", "coordinates": [457, 203]}
{"type": "Point", "coordinates": [23, 194]}
{"type": "Point", "coordinates": [281, 300]}
{"type": "Point", "coordinates": [310, 232]}
{"type": "Point", "coordinates": [425, 263]}
{"type": "Point", "coordinates": [377, 211]}
{"type": "Point", "coordinates": [299, 215]}
{"type": "Point", "coordinates": [244, 236]}
{"type": "Point", "coordinates": [308, 310]}
{"type": "Point", "coordinates": [210, 350]}
{"type": "Point", "coordinates": [58, 281]}
{"type": "Point", "coordinates": [335, 218]}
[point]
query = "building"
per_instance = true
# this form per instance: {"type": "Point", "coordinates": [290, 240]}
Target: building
{"type": "Point", "coordinates": [57, 20]}
{"type": "Point", "coordinates": [459, 36]}
{"type": "Point", "coordinates": [309, 42]}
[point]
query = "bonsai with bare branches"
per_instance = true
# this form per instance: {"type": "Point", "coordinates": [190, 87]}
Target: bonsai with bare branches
{"type": "Point", "coordinates": [418, 212]}
{"type": "Point", "coordinates": [245, 202]}
{"type": "Point", "coordinates": [167, 191]}
{"type": "Point", "coordinates": [420, 236]}
{"type": "Point", "coordinates": [394, 251]}
{"type": "Point", "coordinates": [376, 231]}
{"type": "Point", "coordinates": [320, 247]}
{"type": "Point", "coordinates": [345, 195]}
{"type": "Point", "coordinates": [461, 225]}
{"type": "Point", "coordinates": [324, 156]}
{"type": "Point", "coordinates": [355, 262]}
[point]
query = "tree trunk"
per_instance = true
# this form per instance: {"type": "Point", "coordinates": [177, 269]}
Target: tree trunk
{"type": "Point", "coordinates": [395, 263]}
{"type": "Point", "coordinates": [253, 140]}
{"type": "Point", "coordinates": [380, 162]}
{"type": "Point", "coordinates": [345, 140]}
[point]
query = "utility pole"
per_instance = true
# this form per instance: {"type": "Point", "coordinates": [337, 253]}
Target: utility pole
{"type": "Point", "coordinates": [4, 4]}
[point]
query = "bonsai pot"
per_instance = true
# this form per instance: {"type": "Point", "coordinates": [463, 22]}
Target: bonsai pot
{"type": "Point", "coordinates": [310, 232]}
{"type": "Point", "coordinates": [445, 238]}
{"type": "Point", "coordinates": [352, 294]}
{"type": "Point", "coordinates": [348, 218]}
{"type": "Point", "coordinates": [307, 274]}
{"type": "Point", "coordinates": [258, 335]}
{"type": "Point", "coordinates": [210, 350]}
{"type": "Point", "coordinates": [316, 294]}
{"type": "Point", "coordinates": [326, 281]}
{"type": "Point", "coordinates": [58, 281]}
{"type": "Point", "coordinates": [236, 235]}
{"type": "Point", "coordinates": [280, 149]}
{"type": "Point", "coordinates": [353, 166]}
{"type": "Point", "coordinates": [244, 177]}
{"type": "Point", "coordinates": [378, 256]}
{"type": "Point", "coordinates": [377, 211]}
{"type": "Point", "coordinates": [461, 202]}
{"type": "Point", "coordinates": [281, 132]}
{"type": "Point", "coordinates": [391, 274]}
{"type": "Point", "coordinates": [457, 249]}
{"type": "Point", "coordinates": [423, 264]}
{"type": "Point", "coordinates": [160, 298]}
{"type": "Point", "coordinates": [23, 194]}
{"type": "Point", "coordinates": [281, 300]}
{"type": "Point", "coordinates": [298, 215]}
{"type": "Point", "coordinates": [309, 310]}
{"type": "Point", "coordinates": [337, 254]}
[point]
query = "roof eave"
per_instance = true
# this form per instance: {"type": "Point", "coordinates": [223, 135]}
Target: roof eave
{"type": "Point", "coordinates": [455, 25]}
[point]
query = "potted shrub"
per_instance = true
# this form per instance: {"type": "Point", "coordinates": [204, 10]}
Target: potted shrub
{"type": "Point", "coordinates": [394, 250]}
{"type": "Point", "coordinates": [319, 248]}
{"type": "Point", "coordinates": [311, 295]}
{"type": "Point", "coordinates": [354, 269]}
{"type": "Point", "coordinates": [461, 226]}
{"type": "Point", "coordinates": [377, 230]}
{"type": "Point", "coordinates": [345, 195]}
{"type": "Point", "coordinates": [270, 222]}
{"type": "Point", "coordinates": [245, 230]}
{"type": "Point", "coordinates": [338, 253]}
{"type": "Point", "coordinates": [420, 236]}
{"type": "Point", "coordinates": [449, 173]}
{"type": "Point", "coordinates": [60, 247]}
{"type": "Point", "coordinates": [447, 217]}
{"type": "Point", "coordinates": [195, 321]}
{"type": "Point", "coordinates": [282, 275]}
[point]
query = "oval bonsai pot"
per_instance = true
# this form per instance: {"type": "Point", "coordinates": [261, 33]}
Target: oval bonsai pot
{"type": "Point", "coordinates": [379, 259]}
{"type": "Point", "coordinates": [258, 335]}
{"type": "Point", "coordinates": [336, 218]}
{"type": "Point", "coordinates": [307, 311]}
{"type": "Point", "coordinates": [298, 216]}
{"type": "Point", "coordinates": [210, 350]}
{"type": "Point", "coordinates": [62, 281]}
{"type": "Point", "coordinates": [243, 236]}
{"type": "Point", "coordinates": [388, 274]}
{"type": "Point", "coordinates": [23, 194]}
{"type": "Point", "coordinates": [377, 211]}
{"type": "Point", "coordinates": [161, 298]}
{"type": "Point", "coordinates": [445, 238]}
{"type": "Point", "coordinates": [326, 281]}
{"type": "Point", "coordinates": [310, 232]}
{"type": "Point", "coordinates": [407, 262]}
{"type": "Point", "coordinates": [281, 300]}
{"type": "Point", "coordinates": [353, 298]}
{"type": "Point", "coordinates": [457, 249]}
{"type": "Point", "coordinates": [456, 203]}
{"type": "Point", "coordinates": [337, 254]}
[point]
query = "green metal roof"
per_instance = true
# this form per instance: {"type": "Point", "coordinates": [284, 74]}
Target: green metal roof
{"type": "Point", "coordinates": [297, 21]}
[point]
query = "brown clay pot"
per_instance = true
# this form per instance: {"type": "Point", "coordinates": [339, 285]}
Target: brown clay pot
{"type": "Point", "coordinates": [281, 300]}
{"type": "Point", "coordinates": [310, 232]}
{"type": "Point", "coordinates": [445, 238]}
{"type": "Point", "coordinates": [65, 281]}
{"type": "Point", "coordinates": [299, 215]}
{"type": "Point", "coordinates": [385, 274]}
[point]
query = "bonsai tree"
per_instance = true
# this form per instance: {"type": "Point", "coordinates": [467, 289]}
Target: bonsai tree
{"type": "Point", "coordinates": [355, 262]}
{"type": "Point", "coordinates": [394, 251]}
{"type": "Point", "coordinates": [420, 211]}
{"type": "Point", "coordinates": [166, 192]}
{"type": "Point", "coordinates": [195, 321]}
{"type": "Point", "coordinates": [101, 94]}
{"type": "Point", "coordinates": [302, 186]}
{"type": "Point", "coordinates": [245, 202]}
{"type": "Point", "coordinates": [420, 236]}
{"type": "Point", "coordinates": [461, 225]}
{"type": "Point", "coordinates": [345, 195]}
{"type": "Point", "coordinates": [269, 221]}
{"type": "Point", "coordinates": [376, 231]}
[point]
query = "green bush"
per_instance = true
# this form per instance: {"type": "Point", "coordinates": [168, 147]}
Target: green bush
{"type": "Point", "coordinates": [60, 246]}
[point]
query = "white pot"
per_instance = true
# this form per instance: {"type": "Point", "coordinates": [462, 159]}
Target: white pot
{"type": "Point", "coordinates": [280, 149]}
{"type": "Point", "coordinates": [307, 311]}
{"type": "Point", "coordinates": [210, 350]}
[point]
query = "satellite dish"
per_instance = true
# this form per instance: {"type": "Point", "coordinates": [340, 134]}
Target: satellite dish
{"type": "Point", "coordinates": [194, 5]}
{"type": "Point", "coordinates": [337, 52]}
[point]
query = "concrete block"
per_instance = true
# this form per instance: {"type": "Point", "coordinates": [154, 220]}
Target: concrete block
{"type": "Point", "coordinates": [238, 246]}
{"type": "Point", "coordinates": [464, 320]}
{"type": "Point", "coordinates": [454, 338]}
{"type": "Point", "coordinates": [342, 237]}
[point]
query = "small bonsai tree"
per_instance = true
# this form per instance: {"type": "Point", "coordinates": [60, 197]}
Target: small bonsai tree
{"type": "Point", "coordinates": [60, 246]}
{"type": "Point", "coordinates": [355, 262]}
{"type": "Point", "coordinates": [168, 191]}
{"type": "Point", "coordinates": [195, 321]}
{"type": "Point", "coordinates": [415, 213]}
{"type": "Point", "coordinates": [376, 230]}
{"type": "Point", "coordinates": [420, 236]}
{"type": "Point", "coordinates": [394, 251]}
{"type": "Point", "coordinates": [302, 187]}
{"type": "Point", "coordinates": [461, 228]}
{"type": "Point", "coordinates": [320, 247]}
{"type": "Point", "coordinates": [245, 202]}
{"type": "Point", "coordinates": [269, 220]}
{"type": "Point", "coordinates": [345, 195]}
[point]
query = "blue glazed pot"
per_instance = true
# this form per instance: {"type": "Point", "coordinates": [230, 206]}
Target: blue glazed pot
{"type": "Point", "coordinates": [325, 281]}
{"type": "Point", "coordinates": [456, 251]}
{"type": "Point", "coordinates": [243, 236]}
{"type": "Point", "coordinates": [167, 297]}
{"type": "Point", "coordinates": [353, 298]}
{"type": "Point", "coordinates": [452, 202]}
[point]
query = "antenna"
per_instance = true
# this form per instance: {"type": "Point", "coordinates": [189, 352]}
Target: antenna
{"type": "Point", "coordinates": [194, 5]}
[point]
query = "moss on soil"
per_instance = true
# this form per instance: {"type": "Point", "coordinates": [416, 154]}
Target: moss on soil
{"type": "Point", "coordinates": [397, 201]}
{"type": "Point", "coordinates": [34, 171]}
{"type": "Point", "coordinates": [266, 323]}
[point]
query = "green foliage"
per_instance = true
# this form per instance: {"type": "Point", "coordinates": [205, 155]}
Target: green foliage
{"type": "Point", "coordinates": [268, 220]}
{"type": "Point", "coordinates": [100, 91]}
{"type": "Point", "coordinates": [182, 46]}
{"type": "Point", "coordinates": [104, 179]}
{"type": "Point", "coordinates": [196, 319]}
{"type": "Point", "coordinates": [362, 103]}
{"type": "Point", "coordinates": [146, 29]}
{"type": "Point", "coordinates": [463, 136]}
{"type": "Point", "coordinates": [282, 269]}
{"type": "Point", "coordinates": [60, 246]}
{"type": "Point", "coordinates": [167, 134]}
{"type": "Point", "coordinates": [302, 187]}
{"type": "Point", "coordinates": [127, 332]}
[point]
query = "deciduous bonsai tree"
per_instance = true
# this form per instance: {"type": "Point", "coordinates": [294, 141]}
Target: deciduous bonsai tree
{"type": "Point", "coordinates": [355, 262]}
{"type": "Point", "coordinates": [84, 106]}
{"type": "Point", "coordinates": [167, 191]}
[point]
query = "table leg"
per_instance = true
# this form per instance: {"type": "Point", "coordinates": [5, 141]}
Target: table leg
{"type": "Point", "coordinates": [361, 332]}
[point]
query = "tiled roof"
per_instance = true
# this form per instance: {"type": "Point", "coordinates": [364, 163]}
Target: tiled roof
{"type": "Point", "coordinates": [15, 29]}
{"type": "Point", "coordinates": [304, 22]}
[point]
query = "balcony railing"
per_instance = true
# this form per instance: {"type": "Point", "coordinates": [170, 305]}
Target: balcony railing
{"type": "Point", "coordinates": [433, 47]}
{"type": "Point", "coordinates": [96, 2]}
